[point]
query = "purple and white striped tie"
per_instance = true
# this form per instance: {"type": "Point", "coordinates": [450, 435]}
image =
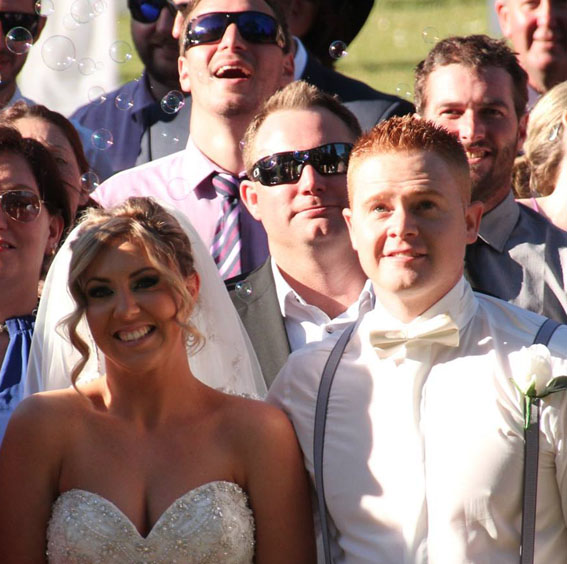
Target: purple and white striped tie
{"type": "Point", "coordinates": [226, 245]}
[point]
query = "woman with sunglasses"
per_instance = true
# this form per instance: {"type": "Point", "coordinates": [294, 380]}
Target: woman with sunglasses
{"type": "Point", "coordinates": [147, 463]}
{"type": "Point", "coordinates": [57, 134]}
{"type": "Point", "coordinates": [34, 211]}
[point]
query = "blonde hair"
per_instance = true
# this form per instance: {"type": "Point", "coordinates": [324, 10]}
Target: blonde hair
{"type": "Point", "coordinates": [537, 170]}
{"type": "Point", "coordinates": [143, 222]}
{"type": "Point", "coordinates": [298, 95]}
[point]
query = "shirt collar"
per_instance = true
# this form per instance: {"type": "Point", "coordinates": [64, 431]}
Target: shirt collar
{"type": "Point", "coordinates": [299, 59]}
{"type": "Point", "coordinates": [459, 302]}
{"type": "Point", "coordinates": [497, 225]}
{"type": "Point", "coordinates": [285, 292]}
{"type": "Point", "coordinates": [17, 96]}
{"type": "Point", "coordinates": [198, 168]}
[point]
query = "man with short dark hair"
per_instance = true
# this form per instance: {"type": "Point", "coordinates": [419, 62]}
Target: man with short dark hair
{"type": "Point", "coordinates": [424, 434]}
{"type": "Point", "coordinates": [312, 284]}
{"type": "Point", "coordinates": [145, 122]}
{"type": "Point", "coordinates": [475, 87]}
{"type": "Point", "coordinates": [538, 33]}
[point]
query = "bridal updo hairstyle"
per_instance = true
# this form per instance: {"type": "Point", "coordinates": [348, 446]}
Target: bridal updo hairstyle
{"type": "Point", "coordinates": [142, 222]}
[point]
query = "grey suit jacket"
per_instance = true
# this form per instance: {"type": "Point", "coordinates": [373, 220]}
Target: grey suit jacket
{"type": "Point", "coordinates": [254, 296]}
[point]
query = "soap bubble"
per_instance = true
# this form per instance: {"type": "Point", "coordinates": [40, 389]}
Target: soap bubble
{"type": "Point", "coordinates": [82, 11]}
{"type": "Point", "coordinates": [337, 49]}
{"type": "Point", "coordinates": [19, 40]}
{"type": "Point", "coordinates": [123, 101]}
{"type": "Point", "coordinates": [86, 66]}
{"type": "Point", "coordinates": [403, 90]}
{"type": "Point", "coordinates": [69, 23]}
{"type": "Point", "coordinates": [178, 188]}
{"type": "Point", "coordinates": [430, 35]}
{"type": "Point", "coordinates": [90, 181]}
{"type": "Point", "coordinates": [172, 102]}
{"type": "Point", "coordinates": [169, 139]}
{"type": "Point", "coordinates": [555, 132]}
{"type": "Point", "coordinates": [44, 8]}
{"type": "Point", "coordinates": [242, 144]}
{"type": "Point", "coordinates": [96, 94]}
{"type": "Point", "coordinates": [120, 52]}
{"type": "Point", "coordinates": [58, 52]}
{"type": "Point", "coordinates": [243, 290]}
{"type": "Point", "coordinates": [98, 7]}
{"type": "Point", "coordinates": [102, 139]}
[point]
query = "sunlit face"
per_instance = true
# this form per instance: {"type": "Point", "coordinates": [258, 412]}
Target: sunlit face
{"type": "Point", "coordinates": [478, 108]}
{"type": "Point", "coordinates": [51, 137]}
{"type": "Point", "coordinates": [233, 77]}
{"type": "Point", "coordinates": [131, 309]}
{"type": "Point", "coordinates": [10, 63]}
{"type": "Point", "coordinates": [157, 48]}
{"type": "Point", "coordinates": [538, 32]}
{"type": "Point", "coordinates": [410, 225]}
{"type": "Point", "coordinates": [310, 210]}
{"type": "Point", "coordinates": [23, 246]}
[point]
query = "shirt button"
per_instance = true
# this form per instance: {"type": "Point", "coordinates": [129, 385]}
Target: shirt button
{"type": "Point", "coordinates": [329, 330]}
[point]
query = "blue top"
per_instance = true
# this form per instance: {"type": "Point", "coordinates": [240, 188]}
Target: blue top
{"type": "Point", "coordinates": [14, 366]}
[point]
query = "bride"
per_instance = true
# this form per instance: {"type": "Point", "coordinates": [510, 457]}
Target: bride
{"type": "Point", "coordinates": [147, 463]}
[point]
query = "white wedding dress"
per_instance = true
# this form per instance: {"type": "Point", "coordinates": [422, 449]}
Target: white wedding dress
{"type": "Point", "coordinates": [210, 524]}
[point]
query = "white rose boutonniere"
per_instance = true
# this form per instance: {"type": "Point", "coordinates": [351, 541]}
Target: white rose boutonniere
{"type": "Point", "coordinates": [536, 381]}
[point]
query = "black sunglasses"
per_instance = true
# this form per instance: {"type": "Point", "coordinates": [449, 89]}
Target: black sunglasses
{"type": "Point", "coordinates": [255, 27]}
{"type": "Point", "coordinates": [286, 168]}
{"type": "Point", "coordinates": [20, 205]}
{"type": "Point", "coordinates": [10, 20]}
{"type": "Point", "coordinates": [148, 11]}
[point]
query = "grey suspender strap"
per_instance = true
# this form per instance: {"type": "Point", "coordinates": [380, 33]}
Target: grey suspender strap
{"type": "Point", "coordinates": [319, 431]}
{"type": "Point", "coordinates": [531, 455]}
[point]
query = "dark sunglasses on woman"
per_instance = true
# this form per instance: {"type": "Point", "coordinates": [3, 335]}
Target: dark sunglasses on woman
{"type": "Point", "coordinates": [10, 20]}
{"type": "Point", "coordinates": [148, 11]}
{"type": "Point", "coordinates": [254, 27]}
{"type": "Point", "coordinates": [286, 167]}
{"type": "Point", "coordinates": [20, 205]}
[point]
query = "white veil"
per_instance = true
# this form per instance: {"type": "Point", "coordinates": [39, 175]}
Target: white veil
{"type": "Point", "coordinates": [226, 361]}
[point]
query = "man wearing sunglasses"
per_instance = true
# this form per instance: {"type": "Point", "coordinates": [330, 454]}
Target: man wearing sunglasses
{"type": "Point", "coordinates": [312, 284]}
{"type": "Point", "coordinates": [235, 55]}
{"type": "Point", "coordinates": [135, 108]}
{"type": "Point", "coordinates": [15, 13]}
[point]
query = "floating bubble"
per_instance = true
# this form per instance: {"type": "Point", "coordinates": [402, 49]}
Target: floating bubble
{"type": "Point", "coordinates": [98, 7]}
{"type": "Point", "coordinates": [400, 38]}
{"type": "Point", "coordinates": [383, 24]}
{"type": "Point", "coordinates": [403, 90]}
{"type": "Point", "coordinates": [82, 11]}
{"type": "Point", "coordinates": [337, 49]}
{"type": "Point", "coordinates": [96, 94]}
{"type": "Point", "coordinates": [19, 40]}
{"type": "Point", "coordinates": [430, 35]}
{"type": "Point", "coordinates": [178, 188]}
{"type": "Point", "coordinates": [90, 181]}
{"type": "Point", "coordinates": [243, 290]}
{"type": "Point", "coordinates": [242, 144]}
{"type": "Point", "coordinates": [555, 132]}
{"type": "Point", "coordinates": [44, 8]}
{"type": "Point", "coordinates": [69, 23]}
{"type": "Point", "coordinates": [168, 138]}
{"type": "Point", "coordinates": [124, 101]}
{"type": "Point", "coordinates": [58, 52]}
{"type": "Point", "coordinates": [172, 102]}
{"type": "Point", "coordinates": [120, 52]}
{"type": "Point", "coordinates": [102, 139]}
{"type": "Point", "coordinates": [86, 66]}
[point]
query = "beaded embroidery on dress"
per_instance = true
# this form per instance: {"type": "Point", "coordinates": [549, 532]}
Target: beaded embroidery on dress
{"type": "Point", "coordinates": [212, 523]}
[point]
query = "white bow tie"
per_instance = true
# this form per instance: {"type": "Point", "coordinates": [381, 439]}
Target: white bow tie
{"type": "Point", "coordinates": [439, 329]}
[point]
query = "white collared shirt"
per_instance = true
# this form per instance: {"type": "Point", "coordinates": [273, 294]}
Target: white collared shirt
{"type": "Point", "coordinates": [299, 59]}
{"type": "Point", "coordinates": [306, 323]}
{"type": "Point", "coordinates": [424, 455]}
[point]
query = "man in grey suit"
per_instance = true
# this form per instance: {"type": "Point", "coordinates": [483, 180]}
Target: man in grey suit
{"type": "Point", "coordinates": [296, 152]}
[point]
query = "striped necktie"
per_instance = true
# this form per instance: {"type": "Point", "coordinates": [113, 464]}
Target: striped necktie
{"type": "Point", "coordinates": [226, 245]}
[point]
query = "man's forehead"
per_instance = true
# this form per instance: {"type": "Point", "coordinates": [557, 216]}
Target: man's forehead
{"type": "Point", "coordinates": [206, 6]}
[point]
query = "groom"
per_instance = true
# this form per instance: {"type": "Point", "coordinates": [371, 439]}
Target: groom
{"type": "Point", "coordinates": [423, 451]}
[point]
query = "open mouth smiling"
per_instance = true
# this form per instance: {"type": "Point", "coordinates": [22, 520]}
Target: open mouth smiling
{"type": "Point", "coordinates": [135, 335]}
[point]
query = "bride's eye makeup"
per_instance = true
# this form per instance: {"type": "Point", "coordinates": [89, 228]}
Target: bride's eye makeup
{"type": "Point", "coordinates": [98, 291]}
{"type": "Point", "coordinates": [146, 281]}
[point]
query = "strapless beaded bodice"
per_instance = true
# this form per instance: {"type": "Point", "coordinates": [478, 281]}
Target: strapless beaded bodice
{"type": "Point", "coordinates": [211, 523]}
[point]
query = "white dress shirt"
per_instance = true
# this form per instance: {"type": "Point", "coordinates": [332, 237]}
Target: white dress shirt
{"type": "Point", "coordinates": [424, 449]}
{"type": "Point", "coordinates": [306, 323]}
